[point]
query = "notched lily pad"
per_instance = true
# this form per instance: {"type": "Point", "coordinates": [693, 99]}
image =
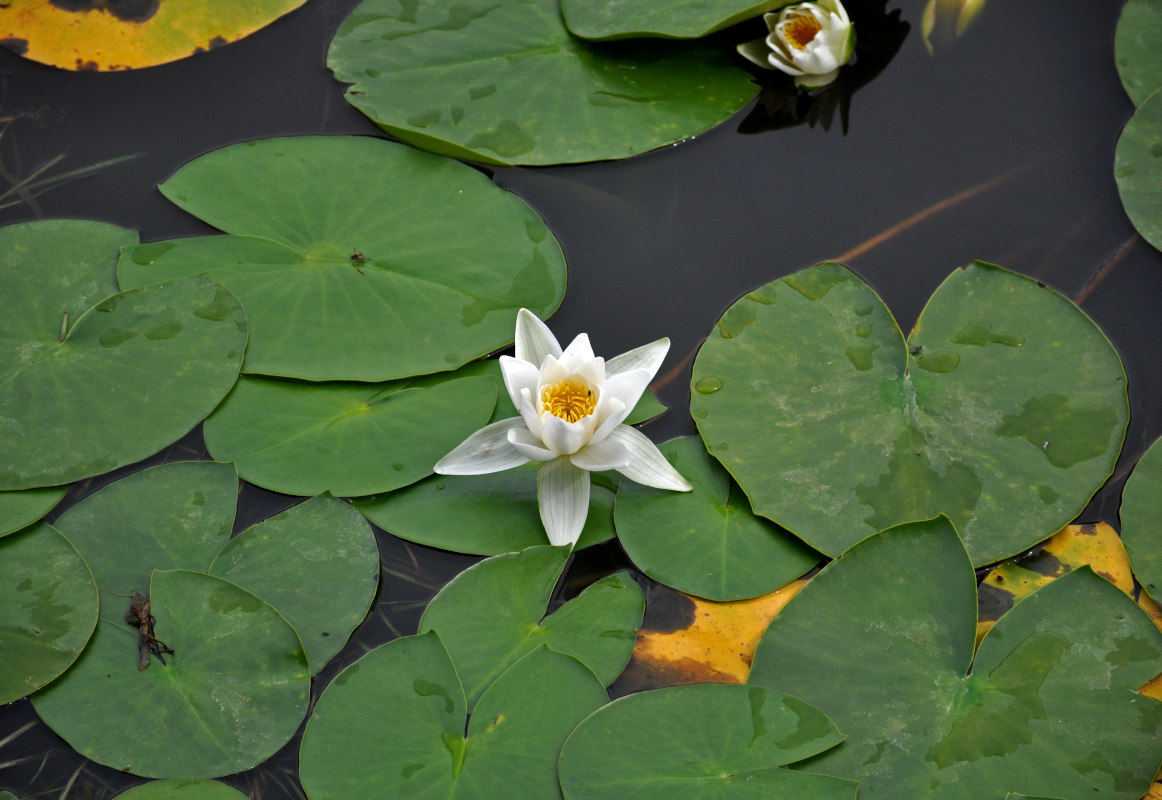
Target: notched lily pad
{"type": "Point", "coordinates": [404, 703]}
{"type": "Point", "coordinates": [48, 609]}
{"type": "Point", "coordinates": [233, 691]}
{"type": "Point", "coordinates": [504, 82]}
{"type": "Point", "coordinates": [356, 258]}
{"type": "Point", "coordinates": [349, 439]}
{"type": "Point", "coordinates": [129, 34]}
{"type": "Point", "coordinates": [676, 19]}
{"type": "Point", "coordinates": [494, 613]}
{"type": "Point", "coordinates": [1048, 705]}
{"type": "Point", "coordinates": [696, 742]}
{"type": "Point", "coordinates": [91, 380]}
{"type": "Point", "coordinates": [1005, 408]}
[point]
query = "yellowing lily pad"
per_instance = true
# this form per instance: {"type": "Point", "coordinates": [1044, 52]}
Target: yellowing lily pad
{"type": "Point", "coordinates": [129, 34]}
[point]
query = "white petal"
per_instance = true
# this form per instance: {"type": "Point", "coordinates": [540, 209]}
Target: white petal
{"type": "Point", "coordinates": [487, 450]}
{"type": "Point", "coordinates": [626, 387]}
{"type": "Point", "coordinates": [534, 340]}
{"type": "Point", "coordinates": [563, 499]}
{"type": "Point", "coordinates": [648, 357]}
{"type": "Point", "coordinates": [612, 413]}
{"type": "Point", "coordinates": [577, 353]}
{"type": "Point", "coordinates": [528, 445]}
{"type": "Point", "coordinates": [518, 374]}
{"type": "Point", "coordinates": [647, 465]}
{"type": "Point", "coordinates": [565, 438]}
{"type": "Point", "coordinates": [552, 370]}
{"type": "Point", "coordinates": [603, 455]}
{"type": "Point", "coordinates": [593, 371]}
{"type": "Point", "coordinates": [755, 51]}
{"type": "Point", "coordinates": [528, 411]}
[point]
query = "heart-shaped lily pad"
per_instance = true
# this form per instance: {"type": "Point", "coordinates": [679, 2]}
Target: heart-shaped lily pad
{"type": "Point", "coordinates": [349, 439]}
{"type": "Point", "coordinates": [91, 380]}
{"type": "Point", "coordinates": [1136, 48]}
{"type": "Point", "coordinates": [882, 642]}
{"type": "Point", "coordinates": [356, 258]}
{"type": "Point", "coordinates": [182, 789]}
{"type": "Point", "coordinates": [1005, 409]}
{"type": "Point", "coordinates": [48, 609]}
{"type": "Point", "coordinates": [1141, 518]}
{"type": "Point", "coordinates": [1138, 169]}
{"type": "Point", "coordinates": [404, 703]}
{"type": "Point", "coordinates": [703, 741]}
{"type": "Point", "coordinates": [678, 19]}
{"type": "Point", "coordinates": [317, 563]}
{"type": "Point", "coordinates": [493, 613]}
{"type": "Point", "coordinates": [504, 82]}
{"type": "Point", "coordinates": [233, 691]}
{"type": "Point", "coordinates": [18, 509]}
{"type": "Point", "coordinates": [705, 542]}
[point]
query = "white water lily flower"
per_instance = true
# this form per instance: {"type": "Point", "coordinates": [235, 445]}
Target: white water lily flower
{"type": "Point", "coordinates": [571, 406]}
{"type": "Point", "coordinates": [809, 41]}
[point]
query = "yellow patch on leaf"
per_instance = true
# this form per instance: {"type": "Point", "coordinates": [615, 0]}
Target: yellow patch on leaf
{"type": "Point", "coordinates": [129, 34]}
{"type": "Point", "coordinates": [704, 642]}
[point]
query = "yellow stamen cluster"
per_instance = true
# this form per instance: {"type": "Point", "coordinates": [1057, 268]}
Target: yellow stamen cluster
{"type": "Point", "coordinates": [569, 399]}
{"type": "Point", "coordinates": [799, 31]}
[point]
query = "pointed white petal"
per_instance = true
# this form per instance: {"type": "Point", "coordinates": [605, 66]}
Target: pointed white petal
{"type": "Point", "coordinates": [527, 408]}
{"type": "Point", "coordinates": [755, 51]}
{"type": "Point", "coordinates": [593, 371]}
{"type": "Point", "coordinates": [647, 465]}
{"type": "Point", "coordinates": [564, 438]}
{"type": "Point", "coordinates": [518, 374]}
{"type": "Point", "coordinates": [614, 413]}
{"type": "Point", "coordinates": [649, 356]}
{"type": "Point", "coordinates": [529, 446]}
{"type": "Point", "coordinates": [626, 387]}
{"type": "Point", "coordinates": [563, 499]}
{"type": "Point", "coordinates": [577, 353]}
{"type": "Point", "coordinates": [552, 371]}
{"type": "Point", "coordinates": [603, 455]}
{"type": "Point", "coordinates": [487, 450]}
{"type": "Point", "coordinates": [534, 340]}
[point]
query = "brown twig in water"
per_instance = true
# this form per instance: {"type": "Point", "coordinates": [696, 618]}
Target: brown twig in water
{"type": "Point", "coordinates": [1105, 269]}
{"type": "Point", "coordinates": [676, 369]}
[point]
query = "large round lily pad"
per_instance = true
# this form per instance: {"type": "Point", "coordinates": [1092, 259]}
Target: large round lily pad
{"type": "Point", "coordinates": [182, 789]}
{"type": "Point", "coordinates": [357, 258]}
{"type": "Point", "coordinates": [493, 613]}
{"type": "Point", "coordinates": [1137, 43]}
{"type": "Point", "coordinates": [48, 609]}
{"type": "Point", "coordinates": [504, 82]}
{"type": "Point", "coordinates": [348, 439]}
{"type": "Point", "coordinates": [317, 563]}
{"type": "Point", "coordinates": [1141, 518]}
{"type": "Point", "coordinates": [882, 642]}
{"type": "Point", "coordinates": [91, 380]}
{"type": "Point", "coordinates": [705, 542]}
{"type": "Point", "coordinates": [700, 742]}
{"type": "Point", "coordinates": [1005, 409]}
{"type": "Point", "coordinates": [403, 703]}
{"type": "Point", "coordinates": [233, 691]}
{"type": "Point", "coordinates": [18, 509]}
{"type": "Point", "coordinates": [678, 19]}
{"type": "Point", "coordinates": [1138, 169]}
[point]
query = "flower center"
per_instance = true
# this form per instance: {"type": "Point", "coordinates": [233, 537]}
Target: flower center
{"type": "Point", "coordinates": [569, 399]}
{"type": "Point", "coordinates": [800, 30]}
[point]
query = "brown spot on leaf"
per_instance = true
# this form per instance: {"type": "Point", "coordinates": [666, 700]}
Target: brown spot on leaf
{"type": "Point", "coordinates": [217, 42]}
{"type": "Point", "coordinates": [19, 46]}
{"type": "Point", "coordinates": [124, 10]}
{"type": "Point", "coordinates": [87, 66]}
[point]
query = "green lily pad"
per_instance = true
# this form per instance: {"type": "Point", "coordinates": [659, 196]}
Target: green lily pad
{"type": "Point", "coordinates": [882, 642]}
{"type": "Point", "coordinates": [182, 789]}
{"type": "Point", "coordinates": [1141, 518]}
{"type": "Point", "coordinates": [504, 82]}
{"type": "Point", "coordinates": [676, 19]}
{"type": "Point", "coordinates": [356, 258]}
{"type": "Point", "coordinates": [317, 563]}
{"type": "Point", "coordinates": [18, 509]}
{"type": "Point", "coordinates": [48, 609]}
{"type": "Point", "coordinates": [701, 741]}
{"type": "Point", "coordinates": [1005, 408]}
{"type": "Point", "coordinates": [1138, 169]}
{"type": "Point", "coordinates": [403, 703]}
{"type": "Point", "coordinates": [480, 514]}
{"type": "Point", "coordinates": [175, 516]}
{"type": "Point", "coordinates": [91, 380]}
{"type": "Point", "coordinates": [349, 439]}
{"type": "Point", "coordinates": [1136, 42]}
{"type": "Point", "coordinates": [705, 542]}
{"type": "Point", "coordinates": [232, 693]}
{"type": "Point", "coordinates": [493, 613]}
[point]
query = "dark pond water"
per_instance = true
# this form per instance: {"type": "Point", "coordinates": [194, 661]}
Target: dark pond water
{"type": "Point", "coordinates": [1000, 148]}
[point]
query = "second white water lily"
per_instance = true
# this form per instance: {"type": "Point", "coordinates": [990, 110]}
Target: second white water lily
{"type": "Point", "coordinates": [572, 408]}
{"type": "Point", "coordinates": [809, 41]}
